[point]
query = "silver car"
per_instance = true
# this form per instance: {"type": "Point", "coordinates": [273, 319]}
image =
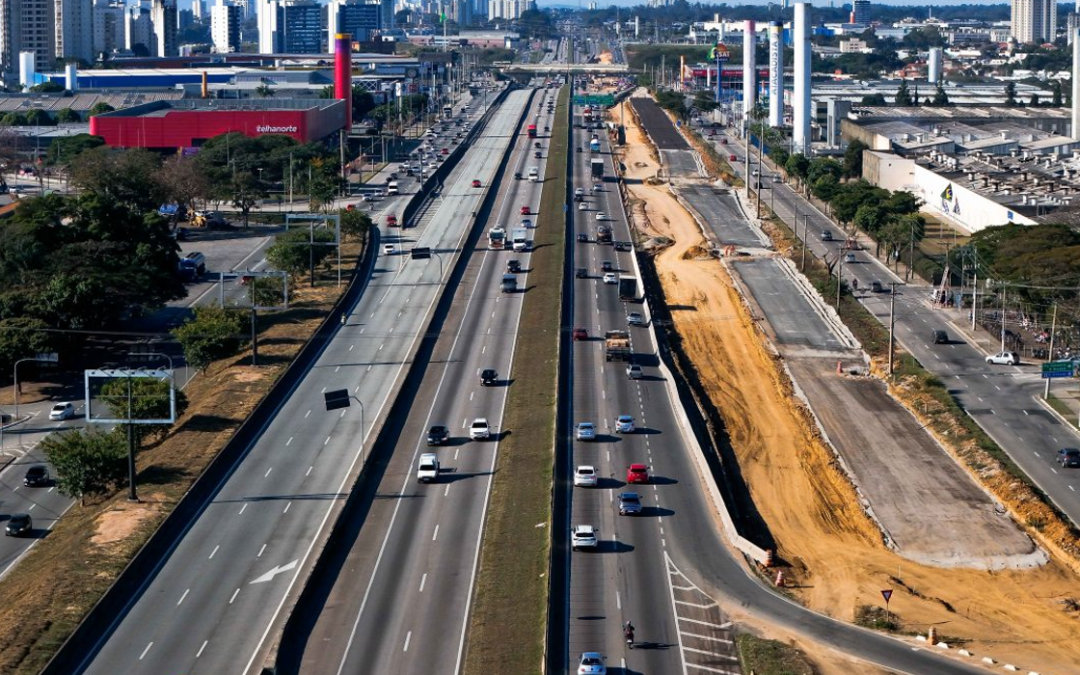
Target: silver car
{"type": "Point", "coordinates": [586, 431]}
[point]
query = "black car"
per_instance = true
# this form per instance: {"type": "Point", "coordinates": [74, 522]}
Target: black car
{"type": "Point", "coordinates": [579, 149]}
{"type": "Point", "coordinates": [1068, 457]}
{"type": "Point", "coordinates": [36, 476]}
{"type": "Point", "coordinates": [538, 155]}
{"type": "Point", "coordinates": [581, 273]}
{"type": "Point", "coordinates": [607, 266]}
{"type": "Point", "coordinates": [941, 337]}
{"type": "Point", "coordinates": [876, 287]}
{"type": "Point", "coordinates": [19, 525]}
{"type": "Point", "coordinates": [517, 175]}
{"type": "Point", "coordinates": [513, 266]}
{"type": "Point", "coordinates": [583, 237]}
{"type": "Point", "coordinates": [488, 377]}
{"type": "Point", "coordinates": [438, 434]}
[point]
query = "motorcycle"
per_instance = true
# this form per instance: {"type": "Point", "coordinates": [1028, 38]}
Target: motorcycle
{"type": "Point", "coordinates": [629, 633]}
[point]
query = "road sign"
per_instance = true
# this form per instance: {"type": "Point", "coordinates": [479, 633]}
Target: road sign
{"type": "Point", "coordinates": [339, 398]}
{"type": "Point", "coordinates": [595, 99]}
{"type": "Point", "coordinates": [887, 594]}
{"type": "Point", "coordinates": [47, 357]}
{"type": "Point", "coordinates": [1056, 369]}
{"type": "Point", "coordinates": [421, 252]}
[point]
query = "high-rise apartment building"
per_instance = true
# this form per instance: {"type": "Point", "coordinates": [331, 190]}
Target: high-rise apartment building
{"type": "Point", "coordinates": [197, 10]}
{"type": "Point", "coordinates": [74, 29]}
{"type": "Point", "coordinates": [508, 9]}
{"type": "Point", "coordinates": [860, 12]}
{"type": "Point", "coordinates": [26, 26]}
{"type": "Point", "coordinates": [163, 17]}
{"type": "Point", "coordinates": [358, 18]}
{"type": "Point", "coordinates": [108, 26]}
{"type": "Point", "coordinates": [1034, 20]}
{"type": "Point", "coordinates": [292, 27]}
{"type": "Point", "coordinates": [225, 19]}
{"type": "Point", "coordinates": [138, 31]}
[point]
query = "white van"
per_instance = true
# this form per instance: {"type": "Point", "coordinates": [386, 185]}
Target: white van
{"type": "Point", "coordinates": [392, 188]}
{"type": "Point", "coordinates": [534, 175]}
{"type": "Point", "coordinates": [428, 468]}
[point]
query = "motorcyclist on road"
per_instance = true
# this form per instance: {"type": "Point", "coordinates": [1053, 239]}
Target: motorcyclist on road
{"type": "Point", "coordinates": [628, 632]}
{"type": "Point", "coordinates": [343, 317]}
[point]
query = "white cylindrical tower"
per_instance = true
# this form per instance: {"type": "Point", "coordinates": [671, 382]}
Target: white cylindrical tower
{"type": "Point", "coordinates": [776, 74]}
{"type": "Point", "coordinates": [933, 66]}
{"type": "Point", "coordinates": [749, 67]}
{"type": "Point", "coordinates": [71, 77]}
{"type": "Point", "coordinates": [1076, 85]}
{"type": "Point", "coordinates": [801, 119]}
{"type": "Point", "coordinates": [27, 71]}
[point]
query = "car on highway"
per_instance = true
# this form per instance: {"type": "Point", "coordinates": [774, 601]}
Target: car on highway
{"type": "Point", "coordinates": [637, 474]}
{"type": "Point", "coordinates": [581, 273]}
{"type": "Point", "coordinates": [624, 424]}
{"type": "Point", "coordinates": [538, 145]}
{"type": "Point", "coordinates": [582, 237]}
{"type": "Point", "coordinates": [479, 429]}
{"type": "Point", "coordinates": [391, 220]}
{"type": "Point", "coordinates": [591, 663]}
{"type": "Point", "coordinates": [826, 235]}
{"type": "Point", "coordinates": [517, 175]}
{"type": "Point", "coordinates": [427, 469]}
{"type": "Point", "coordinates": [1068, 457]}
{"type": "Point", "coordinates": [526, 222]}
{"type": "Point", "coordinates": [62, 411]}
{"type": "Point", "coordinates": [19, 525]}
{"type": "Point", "coordinates": [585, 476]}
{"type": "Point", "coordinates": [597, 187]}
{"type": "Point", "coordinates": [1004, 359]}
{"type": "Point", "coordinates": [438, 434]}
{"type": "Point", "coordinates": [538, 155]}
{"type": "Point", "coordinates": [586, 431]}
{"type": "Point", "coordinates": [580, 334]}
{"type": "Point", "coordinates": [607, 266]}
{"type": "Point", "coordinates": [584, 536]}
{"type": "Point", "coordinates": [635, 319]}
{"type": "Point", "coordinates": [633, 371]}
{"type": "Point", "coordinates": [488, 377]}
{"type": "Point", "coordinates": [600, 215]}
{"type": "Point", "coordinates": [36, 476]}
{"type": "Point", "coordinates": [849, 257]}
{"type": "Point", "coordinates": [389, 249]}
{"type": "Point", "coordinates": [755, 172]}
{"type": "Point", "coordinates": [476, 183]}
{"type": "Point", "coordinates": [446, 151]}
{"type": "Point", "coordinates": [940, 337]}
{"type": "Point", "coordinates": [611, 278]}
{"type": "Point", "coordinates": [629, 504]}
{"type": "Point", "coordinates": [776, 178]}
{"type": "Point", "coordinates": [513, 266]}
{"type": "Point", "coordinates": [582, 206]}
{"type": "Point", "coordinates": [579, 192]}
{"type": "Point", "coordinates": [525, 210]}
{"type": "Point", "coordinates": [876, 287]}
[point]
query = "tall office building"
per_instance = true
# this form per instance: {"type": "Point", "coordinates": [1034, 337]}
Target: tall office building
{"type": "Point", "coordinates": [108, 34]}
{"type": "Point", "coordinates": [197, 10]}
{"type": "Point", "coordinates": [74, 29]}
{"type": "Point", "coordinates": [138, 31]}
{"type": "Point", "coordinates": [26, 26]}
{"type": "Point", "coordinates": [860, 12]}
{"type": "Point", "coordinates": [508, 9]}
{"type": "Point", "coordinates": [163, 17]}
{"type": "Point", "coordinates": [292, 27]}
{"type": "Point", "coordinates": [358, 18]}
{"type": "Point", "coordinates": [1034, 20]}
{"type": "Point", "coordinates": [225, 27]}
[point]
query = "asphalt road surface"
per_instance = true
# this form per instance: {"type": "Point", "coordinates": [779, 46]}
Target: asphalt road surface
{"type": "Point", "coordinates": [1001, 399]}
{"type": "Point", "coordinates": [662, 132]}
{"type": "Point", "coordinates": [400, 599]}
{"type": "Point", "coordinates": [218, 595]}
{"type": "Point", "coordinates": [717, 208]}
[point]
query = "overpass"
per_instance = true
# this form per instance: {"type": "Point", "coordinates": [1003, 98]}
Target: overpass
{"type": "Point", "coordinates": [576, 68]}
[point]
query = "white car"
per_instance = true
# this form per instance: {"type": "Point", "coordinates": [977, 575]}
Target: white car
{"type": "Point", "coordinates": [635, 319]}
{"type": "Point", "coordinates": [582, 206]}
{"type": "Point", "coordinates": [624, 424]}
{"type": "Point", "coordinates": [583, 536]}
{"type": "Point", "coordinates": [633, 371]}
{"type": "Point", "coordinates": [611, 278]}
{"type": "Point", "coordinates": [591, 663]}
{"type": "Point", "coordinates": [601, 216]}
{"type": "Point", "coordinates": [479, 430]}
{"type": "Point", "coordinates": [585, 476]}
{"type": "Point", "coordinates": [849, 257]}
{"type": "Point", "coordinates": [597, 187]}
{"type": "Point", "coordinates": [586, 431]}
{"type": "Point", "coordinates": [580, 192]}
{"type": "Point", "coordinates": [62, 411]}
{"type": "Point", "coordinates": [389, 249]}
{"type": "Point", "coordinates": [1004, 359]}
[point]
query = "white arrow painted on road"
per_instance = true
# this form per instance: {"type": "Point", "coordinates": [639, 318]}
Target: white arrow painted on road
{"type": "Point", "coordinates": [269, 576]}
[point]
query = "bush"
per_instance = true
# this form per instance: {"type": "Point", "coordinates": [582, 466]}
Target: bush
{"type": "Point", "coordinates": [212, 334]}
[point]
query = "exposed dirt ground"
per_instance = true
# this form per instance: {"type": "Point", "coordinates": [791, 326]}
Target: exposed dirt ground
{"type": "Point", "coordinates": [605, 58]}
{"type": "Point", "coordinates": [837, 559]}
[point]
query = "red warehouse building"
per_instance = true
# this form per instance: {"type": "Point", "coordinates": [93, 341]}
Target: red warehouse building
{"type": "Point", "coordinates": [172, 125]}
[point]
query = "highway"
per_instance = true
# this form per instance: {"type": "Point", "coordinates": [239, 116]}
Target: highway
{"type": "Point", "coordinates": [400, 599]}
{"type": "Point", "coordinates": [216, 598]}
{"type": "Point", "coordinates": [1001, 399]}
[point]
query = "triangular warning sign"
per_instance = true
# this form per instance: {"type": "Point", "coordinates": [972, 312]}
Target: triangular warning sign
{"type": "Point", "coordinates": [887, 593]}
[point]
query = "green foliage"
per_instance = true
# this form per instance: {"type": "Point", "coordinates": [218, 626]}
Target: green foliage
{"type": "Point", "coordinates": [705, 101]}
{"type": "Point", "coordinates": [292, 251]}
{"type": "Point", "coordinates": [1010, 94]}
{"type": "Point", "coordinates": [47, 88]}
{"type": "Point", "coordinates": [13, 119]}
{"type": "Point", "coordinates": [853, 158]}
{"type": "Point", "coordinates": [825, 187]}
{"type": "Point", "coordinates": [100, 108]}
{"type": "Point", "coordinates": [20, 337]}
{"type": "Point", "coordinates": [245, 190]}
{"type": "Point", "coordinates": [355, 223]}
{"type": "Point", "coordinates": [39, 118]}
{"type": "Point", "coordinates": [213, 333]}
{"type": "Point", "coordinates": [67, 116]}
{"type": "Point", "coordinates": [124, 176]}
{"type": "Point", "coordinates": [1032, 256]}
{"type": "Point", "coordinates": [672, 101]}
{"type": "Point", "coordinates": [148, 399]}
{"type": "Point", "coordinates": [850, 196]}
{"type": "Point", "coordinates": [65, 150]}
{"type": "Point", "coordinates": [87, 463]}
{"type": "Point", "coordinates": [874, 99]}
{"type": "Point", "coordinates": [940, 97]}
{"type": "Point", "coordinates": [536, 24]}
{"type": "Point", "coordinates": [862, 66]}
{"type": "Point", "coordinates": [1056, 87]}
{"type": "Point", "coordinates": [824, 166]}
{"type": "Point", "coordinates": [903, 95]}
{"type": "Point", "coordinates": [797, 165]}
{"type": "Point", "coordinates": [266, 291]}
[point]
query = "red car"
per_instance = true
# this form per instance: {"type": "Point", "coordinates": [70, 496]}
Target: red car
{"type": "Point", "coordinates": [525, 210]}
{"type": "Point", "coordinates": [731, 158]}
{"type": "Point", "coordinates": [446, 151]}
{"type": "Point", "coordinates": [580, 334]}
{"type": "Point", "coordinates": [391, 220]}
{"type": "Point", "coordinates": [637, 473]}
{"type": "Point", "coordinates": [723, 141]}
{"type": "Point", "coordinates": [476, 183]}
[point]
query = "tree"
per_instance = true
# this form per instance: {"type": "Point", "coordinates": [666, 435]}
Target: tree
{"type": "Point", "coordinates": [293, 252]}
{"type": "Point", "coordinates": [87, 463]}
{"type": "Point", "coordinates": [403, 17]}
{"type": "Point", "coordinates": [355, 223]}
{"type": "Point", "coordinates": [67, 116]}
{"type": "Point", "coordinates": [245, 191]}
{"type": "Point", "coordinates": [47, 88]}
{"type": "Point", "coordinates": [100, 108]}
{"type": "Point", "coordinates": [940, 97]}
{"type": "Point", "coordinates": [182, 182]}
{"type": "Point", "coordinates": [266, 292]}
{"type": "Point", "coordinates": [853, 158]}
{"type": "Point", "coordinates": [39, 118]}
{"type": "Point", "coordinates": [212, 334]}
{"type": "Point", "coordinates": [705, 100]}
{"type": "Point", "coordinates": [822, 166]}
{"type": "Point", "coordinates": [1010, 94]}
{"type": "Point", "coordinates": [797, 165]}
{"type": "Point", "coordinates": [874, 99]}
{"type": "Point", "coordinates": [13, 119]}
{"type": "Point", "coordinates": [264, 91]}
{"type": "Point", "coordinates": [148, 399]}
{"type": "Point", "coordinates": [1056, 86]}
{"type": "Point", "coordinates": [901, 202]}
{"type": "Point", "coordinates": [322, 190]}
{"type": "Point", "coordinates": [64, 150]}
{"type": "Point", "coordinates": [903, 96]}
{"type": "Point", "coordinates": [362, 103]}
{"type": "Point", "coordinates": [825, 187]}
{"type": "Point", "coordinates": [1034, 103]}
{"type": "Point", "coordinates": [77, 302]}
{"type": "Point", "coordinates": [126, 176]}
{"type": "Point", "coordinates": [20, 337]}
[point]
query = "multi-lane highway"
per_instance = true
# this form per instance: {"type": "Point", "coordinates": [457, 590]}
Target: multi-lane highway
{"type": "Point", "coordinates": [400, 600]}
{"type": "Point", "coordinates": [220, 593]}
{"type": "Point", "coordinates": [1001, 399]}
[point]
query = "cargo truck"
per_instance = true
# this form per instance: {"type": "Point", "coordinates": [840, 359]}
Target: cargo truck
{"type": "Point", "coordinates": [520, 240]}
{"type": "Point", "coordinates": [597, 168]}
{"type": "Point", "coordinates": [532, 131]}
{"type": "Point", "coordinates": [509, 283]}
{"type": "Point", "coordinates": [497, 238]}
{"type": "Point", "coordinates": [627, 288]}
{"type": "Point", "coordinates": [617, 345]}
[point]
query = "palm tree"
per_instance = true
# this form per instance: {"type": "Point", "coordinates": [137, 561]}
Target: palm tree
{"type": "Point", "coordinates": [264, 90]}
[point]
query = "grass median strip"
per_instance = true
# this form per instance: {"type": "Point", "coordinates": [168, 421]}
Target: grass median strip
{"type": "Point", "coordinates": [509, 616]}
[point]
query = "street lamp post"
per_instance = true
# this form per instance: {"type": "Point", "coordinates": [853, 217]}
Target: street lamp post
{"type": "Point", "coordinates": [50, 358]}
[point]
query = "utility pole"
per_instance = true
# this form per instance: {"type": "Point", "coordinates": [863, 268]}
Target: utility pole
{"type": "Point", "coordinates": [1050, 354]}
{"type": "Point", "coordinates": [805, 224]}
{"type": "Point", "coordinates": [839, 276]}
{"type": "Point", "coordinates": [892, 324]}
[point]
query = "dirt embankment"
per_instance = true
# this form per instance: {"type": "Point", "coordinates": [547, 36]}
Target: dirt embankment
{"type": "Point", "coordinates": [837, 559]}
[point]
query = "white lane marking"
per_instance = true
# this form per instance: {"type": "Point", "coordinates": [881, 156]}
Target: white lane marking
{"type": "Point", "coordinates": [182, 597]}
{"type": "Point", "coordinates": [259, 554]}
{"type": "Point", "coordinates": [288, 442]}
{"type": "Point", "coordinates": [720, 626]}
{"type": "Point", "coordinates": [145, 650]}
{"type": "Point", "coordinates": [407, 638]}
{"type": "Point", "coordinates": [423, 580]}
{"type": "Point", "coordinates": [695, 604]}
{"type": "Point", "coordinates": [618, 600]}
{"type": "Point", "coordinates": [213, 552]}
{"type": "Point", "coordinates": [242, 509]}
{"type": "Point", "coordinates": [337, 369]}
{"type": "Point", "coordinates": [287, 507]}
{"type": "Point", "coordinates": [326, 441]}
{"type": "Point", "coordinates": [712, 670]}
{"type": "Point", "coordinates": [268, 472]}
{"type": "Point", "coordinates": [436, 535]}
{"type": "Point", "coordinates": [342, 414]}
{"type": "Point", "coordinates": [456, 451]}
{"type": "Point", "coordinates": [707, 637]}
{"type": "Point", "coordinates": [235, 593]}
{"type": "Point", "coordinates": [309, 471]}
{"type": "Point", "coordinates": [199, 653]}
{"type": "Point", "coordinates": [351, 347]}
{"type": "Point", "coordinates": [447, 490]}
{"type": "Point", "coordinates": [309, 412]}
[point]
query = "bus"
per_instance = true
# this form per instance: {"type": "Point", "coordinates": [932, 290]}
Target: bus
{"type": "Point", "coordinates": [448, 112]}
{"type": "Point", "coordinates": [532, 131]}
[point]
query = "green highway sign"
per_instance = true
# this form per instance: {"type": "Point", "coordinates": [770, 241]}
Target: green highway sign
{"type": "Point", "coordinates": [1056, 369]}
{"type": "Point", "coordinates": [595, 99]}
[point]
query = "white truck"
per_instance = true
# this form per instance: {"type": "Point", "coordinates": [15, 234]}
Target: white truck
{"type": "Point", "coordinates": [534, 175]}
{"type": "Point", "coordinates": [520, 239]}
{"type": "Point", "coordinates": [427, 470]}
